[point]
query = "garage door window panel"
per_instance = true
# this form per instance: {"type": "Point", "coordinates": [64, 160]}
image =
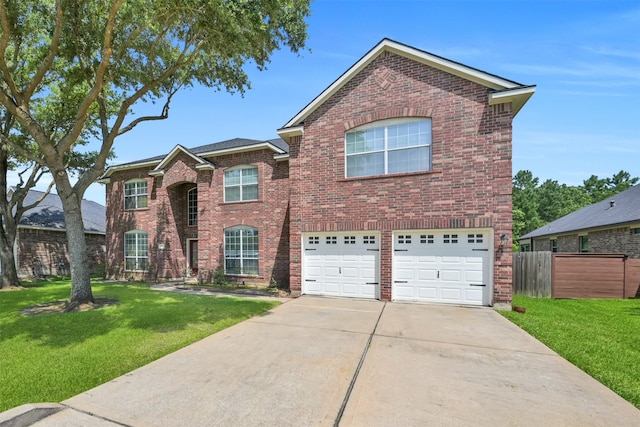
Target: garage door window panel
{"type": "Point", "coordinates": [389, 147]}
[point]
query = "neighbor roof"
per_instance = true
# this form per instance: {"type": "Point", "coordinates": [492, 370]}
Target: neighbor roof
{"type": "Point", "coordinates": [49, 214]}
{"type": "Point", "coordinates": [504, 90]}
{"type": "Point", "coordinates": [621, 209]}
{"type": "Point", "coordinates": [278, 145]}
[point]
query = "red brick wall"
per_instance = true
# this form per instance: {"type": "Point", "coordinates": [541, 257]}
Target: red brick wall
{"type": "Point", "coordinates": [44, 252]}
{"type": "Point", "coordinates": [469, 186]}
{"type": "Point", "coordinates": [165, 219]}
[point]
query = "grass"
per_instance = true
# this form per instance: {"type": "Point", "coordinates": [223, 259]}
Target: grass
{"type": "Point", "coordinates": [601, 337]}
{"type": "Point", "coordinates": [50, 358]}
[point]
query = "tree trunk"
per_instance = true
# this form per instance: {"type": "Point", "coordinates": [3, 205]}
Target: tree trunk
{"type": "Point", "coordinates": [8, 229]}
{"type": "Point", "coordinates": [7, 262]}
{"type": "Point", "coordinates": [79, 259]}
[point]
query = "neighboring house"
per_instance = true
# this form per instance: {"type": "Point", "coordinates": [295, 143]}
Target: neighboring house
{"type": "Point", "coordinates": [41, 243]}
{"type": "Point", "coordinates": [394, 183]}
{"type": "Point", "coordinates": [609, 226]}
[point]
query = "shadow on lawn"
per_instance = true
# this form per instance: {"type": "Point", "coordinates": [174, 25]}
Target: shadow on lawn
{"type": "Point", "coordinates": [138, 309]}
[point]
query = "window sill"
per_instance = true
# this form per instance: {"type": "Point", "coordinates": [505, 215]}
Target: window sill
{"type": "Point", "coordinates": [136, 209]}
{"type": "Point", "coordinates": [241, 276]}
{"type": "Point", "coordinates": [240, 202]}
{"type": "Point", "coordinates": [395, 175]}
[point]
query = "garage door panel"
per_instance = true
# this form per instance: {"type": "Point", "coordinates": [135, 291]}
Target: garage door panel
{"type": "Point", "coordinates": [404, 274]}
{"type": "Point", "coordinates": [426, 293]}
{"type": "Point", "coordinates": [451, 294]}
{"type": "Point", "coordinates": [450, 275]}
{"type": "Point", "coordinates": [342, 264]}
{"type": "Point", "coordinates": [369, 290]}
{"type": "Point", "coordinates": [368, 274]}
{"type": "Point", "coordinates": [331, 288]}
{"type": "Point", "coordinates": [404, 291]}
{"type": "Point", "coordinates": [350, 272]}
{"type": "Point", "coordinates": [331, 271]}
{"type": "Point", "coordinates": [473, 276]}
{"type": "Point", "coordinates": [442, 266]}
{"type": "Point", "coordinates": [427, 274]}
{"type": "Point", "coordinates": [474, 295]}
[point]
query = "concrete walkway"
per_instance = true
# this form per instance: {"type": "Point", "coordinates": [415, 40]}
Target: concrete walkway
{"type": "Point", "coordinates": [322, 361]}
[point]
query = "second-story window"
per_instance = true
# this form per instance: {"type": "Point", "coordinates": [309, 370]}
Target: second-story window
{"type": "Point", "coordinates": [192, 206]}
{"type": "Point", "coordinates": [135, 194]}
{"type": "Point", "coordinates": [241, 184]}
{"type": "Point", "coordinates": [388, 147]}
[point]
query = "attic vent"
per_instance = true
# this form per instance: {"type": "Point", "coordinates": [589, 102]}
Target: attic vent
{"type": "Point", "coordinates": [612, 203]}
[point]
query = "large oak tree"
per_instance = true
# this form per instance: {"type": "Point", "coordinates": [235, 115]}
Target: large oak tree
{"type": "Point", "coordinates": [91, 62]}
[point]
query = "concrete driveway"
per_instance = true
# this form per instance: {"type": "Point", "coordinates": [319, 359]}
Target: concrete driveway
{"type": "Point", "coordinates": [321, 361]}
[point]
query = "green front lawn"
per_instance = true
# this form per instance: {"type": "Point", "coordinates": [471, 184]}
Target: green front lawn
{"type": "Point", "coordinates": [49, 358]}
{"type": "Point", "coordinates": [601, 337]}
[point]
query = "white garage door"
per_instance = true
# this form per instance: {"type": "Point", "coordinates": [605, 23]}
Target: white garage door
{"type": "Point", "coordinates": [341, 264]}
{"type": "Point", "coordinates": [451, 266]}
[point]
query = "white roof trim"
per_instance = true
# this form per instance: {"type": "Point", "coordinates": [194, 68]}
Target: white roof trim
{"type": "Point", "coordinates": [518, 97]}
{"type": "Point", "coordinates": [292, 131]}
{"type": "Point", "coordinates": [205, 166]}
{"type": "Point", "coordinates": [253, 147]}
{"type": "Point", "coordinates": [172, 153]}
{"type": "Point", "coordinates": [480, 77]}
{"type": "Point", "coordinates": [281, 157]}
{"type": "Point", "coordinates": [111, 169]}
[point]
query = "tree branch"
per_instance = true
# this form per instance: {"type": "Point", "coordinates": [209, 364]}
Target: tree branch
{"type": "Point", "coordinates": [4, 42]}
{"type": "Point", "coordinates": [70, 138]}
{"type": "Point", "coordinates": [20, 149]}
{"type": "Point", "coordinates": [162, 116]}
{"type": "Point", "coordinates": [51, 54]}
{"type": "Point", "coordinates": [181, 62]}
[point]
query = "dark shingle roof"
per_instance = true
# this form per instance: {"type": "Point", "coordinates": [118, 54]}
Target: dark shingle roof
{"type": "Point", "coordinates": [625, 209]}
{"type": "Point", "coordinates": [49, 213]}
{"type": "Point", "coordinates": [220, 146]}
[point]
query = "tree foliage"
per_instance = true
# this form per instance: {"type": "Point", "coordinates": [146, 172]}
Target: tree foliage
{"type": "Point", "coordinates": [73, 71]}
{"type": "Point", "coordinates": [535, 204]}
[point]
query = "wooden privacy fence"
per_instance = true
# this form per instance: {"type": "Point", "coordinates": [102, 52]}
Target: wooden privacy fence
{"type": "Point", "coordinates": [563, 275]}
{"type": "Point", "coordinates": [532, 274]}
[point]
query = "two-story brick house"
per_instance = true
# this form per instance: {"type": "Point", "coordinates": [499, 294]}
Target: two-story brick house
{"type": "Point", "coordinates": [394, 183]}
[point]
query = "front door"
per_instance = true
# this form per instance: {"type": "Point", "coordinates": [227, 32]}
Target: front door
{"type": "Point", "coordinates": [193, 257]}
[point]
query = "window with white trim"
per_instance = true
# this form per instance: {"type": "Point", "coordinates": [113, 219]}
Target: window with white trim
{"type": "Point", "coordinates": [388, 147]}
{"type": "Point", "coordinates": [241, 251]}
{"type": "Point", "coordinates": [241, 184]}
{"type": "Point", "coordinates": [135, 194]}
{"type": "Point", "coordinates": [136, 251]}
{"type": "Point", "coordinates": [192, 206]}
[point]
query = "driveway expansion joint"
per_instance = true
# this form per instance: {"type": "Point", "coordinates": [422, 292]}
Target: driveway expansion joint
{"type": "Point", "coordinates": [357, 371]}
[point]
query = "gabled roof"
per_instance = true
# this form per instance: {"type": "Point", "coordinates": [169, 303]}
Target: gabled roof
{"type": "Point", "coordinates": [200, 162]}
{"type": "Point", "coordinates": [619, 210]}
{"type": "Point", "coordinates": [49, 214]}
{"type": "Point", "coordinates": [200, 153]}
{"type": "Point", "coordinates": [504, 90]}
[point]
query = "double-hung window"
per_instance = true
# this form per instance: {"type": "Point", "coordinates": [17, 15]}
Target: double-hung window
{"type": "Point", "coordinates": [135, 194]}
{"type": "Point", "coordinates": [241, 251]}
{"type": "Point", "coordinates": [136, 251]}
{"type": "Point", "coordinates": [241, 184]}
{"type": "Point", "coordinates": [388, 147]}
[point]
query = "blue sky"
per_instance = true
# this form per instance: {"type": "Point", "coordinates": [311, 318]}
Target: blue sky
{"type": "Point", "coordinates": [584, 57]}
